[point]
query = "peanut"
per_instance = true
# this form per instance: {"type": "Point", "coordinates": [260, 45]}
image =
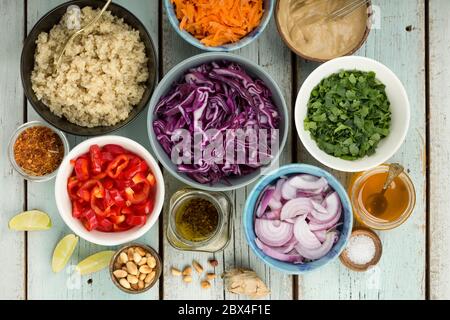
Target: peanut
{"type": "Point", "coordinates": [130, 253]}
{"type": "Point", "coordinates": [120, 274]}
{"type": "Point", "coordinates": [140, 251]}
{"type": "Point", "coordinates": [124, 283]}
{"type": "Point", "coordinates": [136, 257]}
{"type": "Point", "coordinates": [151, 262]}
{"type": "Point", "coordinates": [132, 279]}
{"type": "Point", "coordinates": [135, 286]}
{"type": "Point", "coordinates": [142, 276]}
{"type": "Point", "coordinates": [205, 284]}
{"type": "Point", "coordinates": [145, 269]}
{"type": "Point", "coordinates": [141, 284]}
{"type": "Point", "coordinates": [123, 257]}
{"type": "Point", "coordinates": [142, 262]}
{"type": "Point", "coordinates": [132, 268]}
{"type": "Point", "coordinates": [187, 279]}
{"type": "Point", "coordinates": [210, 276]}
{"type": "Point", "coordinates": [149, 278]}
{"type": "Point", "coordinates": [187, 271]}
{"type": "Point", "coordinates": [175, 271]}
{"type": "Point", "coordinates": [197, 266]}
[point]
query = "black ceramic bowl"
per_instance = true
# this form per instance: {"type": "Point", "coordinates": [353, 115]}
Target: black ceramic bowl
{"type": "Point", "coordinates": [27, 65]}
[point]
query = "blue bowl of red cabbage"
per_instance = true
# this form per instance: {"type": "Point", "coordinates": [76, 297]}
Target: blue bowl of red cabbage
{"type": "Point", "coordinates": [221, 92]}
{"type": "Point", "coordinates": [298, 218]}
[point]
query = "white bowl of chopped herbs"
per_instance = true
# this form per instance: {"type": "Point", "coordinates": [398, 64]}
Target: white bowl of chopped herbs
{"type": "Point", "coordinates": [352, 113]}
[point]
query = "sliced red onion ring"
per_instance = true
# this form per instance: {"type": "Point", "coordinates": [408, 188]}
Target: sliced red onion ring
{"type": "Point", "coordinates": [289, 246]}
{"type": "Point", "coordinates": [304, 236]}
{"type": "Point", "coordinates": [272, 215]}
{"type": "Point", "coordinates": [277, 254]}
{"type": "Point", "coordinates": [265, 201]}
{"type": "Point", "coordinates": [275, 204]}
{"type": "Point", "coordinates": [296, 207]}
{"type": "Point", "coordinates": [278, 186]}
{"type": "Point", "coordinates": [321, 235]}
{"type": "Point", "coordinates": [321, 215]}
{"type": "Point", "coordinates": [288, 192]}
{"type": "Point", "coordinates": [317, 226]}
{"type": "Point", "coordinates": [317, 253]}
{"type": "Point", "coordinates": [273, 232]}
{"type": "Point", "coordinates": [305, 182]}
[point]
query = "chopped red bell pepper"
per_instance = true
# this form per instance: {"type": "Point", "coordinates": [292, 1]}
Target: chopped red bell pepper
{"type": "Point", "coordinates": [114, 149]}
{"type": "Point", "coordinates": [117, 219]}
{"type": "Point", "coordinates": [133, 220]}
{"type": "Point", "coordinates": [82, 169]}
{"type": "Point", "coordinates": [96, 159]}
{"type": "Point", "coordinates": [144, 208]}
{"type": "Point", "coordinates": [117, 166]}
{"type": "Point", "coordinates": [96, 194]}
{"type": "Point", "coordinates": [89, 220]}
{"type": "Point", "coordinates": [85, 191]}
{"type": "Point", "coordinates": [77, 209]}
{"type": "Point", "coordinates": [105, 225]}
{"type": "Point", "coordinates": [110, 189]}
{"type": "Point", "coordinates": [72, 187]}
{"type": "Point", "coordinates": [136, 166]}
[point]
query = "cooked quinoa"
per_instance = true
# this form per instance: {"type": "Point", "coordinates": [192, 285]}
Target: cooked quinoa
{"type": "Point", "coordinates": [102, 74]}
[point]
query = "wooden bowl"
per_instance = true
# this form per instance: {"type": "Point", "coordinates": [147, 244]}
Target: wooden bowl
{"type": "Point", "coordinates": [378, 251]}
{"type": "Point", "coordinates": [300, 54]}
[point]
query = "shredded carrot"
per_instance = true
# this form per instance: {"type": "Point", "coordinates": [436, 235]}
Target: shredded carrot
{"type": "Point", "coordinates": [218, 22]}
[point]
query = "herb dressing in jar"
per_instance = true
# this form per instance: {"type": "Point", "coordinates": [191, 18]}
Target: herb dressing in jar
{"type": "Point", "coordinates": [199, 220]}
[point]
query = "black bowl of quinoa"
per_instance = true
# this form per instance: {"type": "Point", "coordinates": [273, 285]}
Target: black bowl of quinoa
{"type": "Point", "coordinates": [45, 24]}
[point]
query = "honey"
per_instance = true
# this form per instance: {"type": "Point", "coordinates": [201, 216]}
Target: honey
{"type": "Point", "coordinates": [400, 198]}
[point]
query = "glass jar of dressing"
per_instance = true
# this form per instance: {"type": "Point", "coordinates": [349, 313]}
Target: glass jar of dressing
{"type": "Point", "coordinates": [199, 220]}
{"type": "Point", "coordinates": [400, 198]}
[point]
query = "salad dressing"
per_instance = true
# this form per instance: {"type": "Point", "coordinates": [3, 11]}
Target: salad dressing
{"type": "Point", "coordinates": [397, 197]}
{"type": "Point", "coordinates": [306, 29]}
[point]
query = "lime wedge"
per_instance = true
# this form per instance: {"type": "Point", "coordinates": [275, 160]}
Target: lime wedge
{"type": "Point", "coordinates": [63, 251]}
{"type": "Point", "coordinates": [33, 220]}
{"type": "Point", "coordinates": [95, 263]}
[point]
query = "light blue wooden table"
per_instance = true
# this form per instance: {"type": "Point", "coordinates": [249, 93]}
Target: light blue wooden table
{"type": "Point", "coordinates": [413, 39]}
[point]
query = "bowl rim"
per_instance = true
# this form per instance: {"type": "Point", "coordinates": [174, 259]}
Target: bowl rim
{"type": "Point", "coordinates": [181, 68]}
{"type": "Point", "coordinates": [319, 154]}
{"type": "Point", "coordinates": [73, 224]}
{"type": "Point", "coordinates": [306, 57]}
{"type": "Point", "coordinates": [247, 39]}
{"type": "Point", "coordinates": [109, 129]}
{"type": "Point", "coordinates": [250, 204]}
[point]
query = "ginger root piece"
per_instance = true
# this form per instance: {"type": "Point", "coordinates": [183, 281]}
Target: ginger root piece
{"type": "Point", "coordinates": [245, 282]}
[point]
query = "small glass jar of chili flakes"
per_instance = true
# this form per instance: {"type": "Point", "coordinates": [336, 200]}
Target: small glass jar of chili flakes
{"type": "Point", "coordinates": [36, 151]}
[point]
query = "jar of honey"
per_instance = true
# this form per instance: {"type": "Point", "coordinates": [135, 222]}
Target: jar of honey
{"type": "Point", "coordinates": [400, 198]}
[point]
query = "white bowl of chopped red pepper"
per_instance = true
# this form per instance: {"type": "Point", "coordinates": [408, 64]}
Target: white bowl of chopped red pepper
{"type": "Point", "coordinates": [109, 190]}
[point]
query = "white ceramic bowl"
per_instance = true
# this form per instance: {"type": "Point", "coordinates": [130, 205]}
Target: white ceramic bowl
{"type": "Point", "coordinates": [400, 109]}
{"type": "Point", "coordinates": [65, 207]}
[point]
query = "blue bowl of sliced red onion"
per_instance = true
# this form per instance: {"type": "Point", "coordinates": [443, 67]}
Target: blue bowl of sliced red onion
{"type": "Point", "coordinates": [298, 218]}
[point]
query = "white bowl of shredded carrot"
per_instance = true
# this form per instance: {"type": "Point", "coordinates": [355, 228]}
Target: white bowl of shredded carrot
{"type": "Point", "coordinates": [219, 25]}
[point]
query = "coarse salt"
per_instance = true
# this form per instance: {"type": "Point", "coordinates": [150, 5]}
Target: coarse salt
{"type": "Point", "coordinates": [361, 249]}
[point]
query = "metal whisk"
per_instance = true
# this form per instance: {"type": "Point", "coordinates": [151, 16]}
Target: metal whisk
{"type": "Point", "coordinates": [349, 7]}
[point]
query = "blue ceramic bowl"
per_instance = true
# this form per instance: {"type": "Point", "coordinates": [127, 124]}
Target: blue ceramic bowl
{"type": "Point", "coordinates": [268, 10]}
{"type": "Point", "coordinates": [346, 219]}
{"type": "Point", "coordinates": [175, 75]}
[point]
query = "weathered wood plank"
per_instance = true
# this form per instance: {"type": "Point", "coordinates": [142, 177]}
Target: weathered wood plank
{"type": "Point", "coordinates": [401, 271]}
{"type": "Point", "coordinates": [12, 244]}
{"type": "Point", "coordinates": [270, 53]}
{"type": "Point", "coordinates": [43, 284]}
{"type": "Point", "coordinates": [176, 50]}
{"type": "Point", "coordinates": [439, 149]}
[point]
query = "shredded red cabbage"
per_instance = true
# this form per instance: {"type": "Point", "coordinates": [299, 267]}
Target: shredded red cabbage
{"type": "Point", "coordinates": [222, 96]}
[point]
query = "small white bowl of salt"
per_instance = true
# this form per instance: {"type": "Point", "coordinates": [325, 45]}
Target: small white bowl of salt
{"type": "Point", "coordinates": [363, 250]}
